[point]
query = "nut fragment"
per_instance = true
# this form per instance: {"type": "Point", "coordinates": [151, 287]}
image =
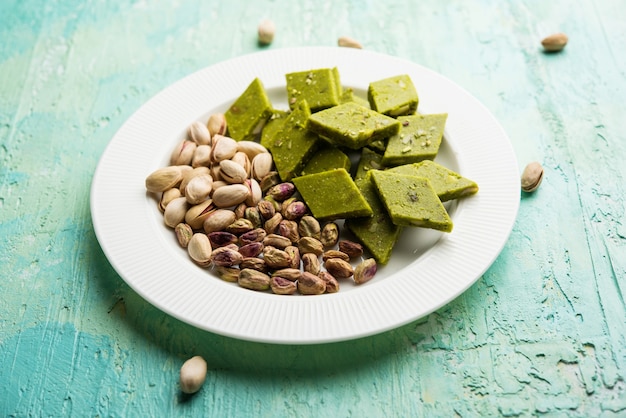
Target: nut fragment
{"type": "Point", "coordinates": [348, 42]}
{"type": "Point", "coordinates": [532, 177]}
{"type": "Point", "coordinates": [253, 279]}
{"type": "Point", "coordinates": [338, 268]}
{"type": "Point", "coordinates": [193, 374]}
{"type": "Point", "coordinates": [266, 31]}
{"type": "Point", "coordinates": [555, 42]}
{"type": "Point", "coordinates": [365, 271]}
{"type": "Point", "coordinates": [310, 284]}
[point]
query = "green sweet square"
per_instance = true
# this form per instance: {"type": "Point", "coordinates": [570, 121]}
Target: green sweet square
{"type": "Point", "coordinates": [393, 96]}
{"type": "Point", "coordinates": [411, 201]}
{"type": "Point", "coordinates": [321, 88]}
{"type": "Point", "coordinates": [332, 195]}
{"type": "Point", "coordinates": [419, 139]}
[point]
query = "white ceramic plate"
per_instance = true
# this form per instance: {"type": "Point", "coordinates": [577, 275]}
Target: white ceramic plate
{"type": "Point", "coordinates": [427, 269]}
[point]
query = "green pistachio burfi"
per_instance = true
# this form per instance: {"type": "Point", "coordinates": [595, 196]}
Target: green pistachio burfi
{"type": "Point", "coordinates": [327, 158]}
{"type": "Point", "coordinates": [447, 184]}
{"type": "Point", "coordinates": [393, 96]}
{"type": "Point", "coordinates": [332, 195]}
{"type": "Point", "coordinates": [411, 201]}
{"type": "Point", "coordinates": [369, 160]}
{"type": "Point", "coordinates": [419, 139]}
{"type": "Point", "coordinates": [321, 88]}
{"type": "Point", "coordinates": [247, 115]}
{"type": "Point", "coordinates": [293, 145]}
{"type": "Point", "coordinates": [352, 126]}
{"type": "Point", "coordinates": [377, 233]}
{"type": "Point", "coordinates": [273, 125]}
{"type": "Point", "coordinates": [349, 96]}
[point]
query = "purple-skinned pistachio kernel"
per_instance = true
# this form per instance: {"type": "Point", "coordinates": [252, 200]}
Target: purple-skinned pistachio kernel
{"type": "Point", "coordinates": [365, 271]}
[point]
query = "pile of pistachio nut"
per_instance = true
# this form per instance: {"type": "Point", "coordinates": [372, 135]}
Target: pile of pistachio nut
{"type": "Point", "coordinates": [233, 214]}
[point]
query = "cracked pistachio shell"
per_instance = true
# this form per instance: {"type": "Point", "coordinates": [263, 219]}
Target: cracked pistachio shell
{"type": "Point", "coordinates": [232, 172]}
{"type": "Point", "coordinates": [201, 156]}
{"type": "Point", "coordinates": [190, 174]}
{"type": "Point", "coordinates": [197, 214]}
{"type": "Point", "coordinates": [199, 249]}
{"type": "Point", "coordinates": [164, 179]}
{"type": "Point", "coordinates": [251, 149]}
{"type": "Point", "coordinates": [175, 212]}
{"type": "Point", "coordinates": [198, 189]}
{"type": "Point", "coordinates": [199, 133]}
{"type": "Point", "coordinates": [167, 196]}
{"type": "Point", "coordinates": [183, 153]}
{"type": "Point", "coordinates": [223, 148]}
{"type": "Point", "coordinates": [217, 124]}
{"type": "Point", "coordinates": [261, 165]}
{"type": "Point", "coordinates": [242, 159]}
{"type": "Point", "coordinates": [218, 220]}
{"type": "Point", "coordinates": [255, 195]}
{"type": "Point", "coordinates": [230, 195]}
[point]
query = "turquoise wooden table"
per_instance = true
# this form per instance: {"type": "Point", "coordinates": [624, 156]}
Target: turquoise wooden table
{"type": "Point", "coordinates": [541, 333]}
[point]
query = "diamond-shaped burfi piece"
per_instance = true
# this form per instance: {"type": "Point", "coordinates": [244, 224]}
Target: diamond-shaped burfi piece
{"type": "Point", "coordinates": [273, 125]}
{"type": "Point", "coordinates": [411, 201]}
{"type": "Point", "coordinates": [352, 126]}
{"type": "Point", "coordinates": [332, 195]}
{"type": "Point", "coordinates": [370, 160]}
{"type": "Point", "coordinates": [321, 88]}
{"type": "Point", "coordinates": [419, 139]}
{"type": "Point", "coordinates": [327, 158]}
{"type": "Point", "coordinates": [377, 233]}
{"type": "Point", "coordinates": [292, 145]}
{"type": "Point", "coordinates": [393, 96]}
{"type": "Point", "coordinates": [447, 184]}
{"type": "Point", "coordinates": [247, 115]}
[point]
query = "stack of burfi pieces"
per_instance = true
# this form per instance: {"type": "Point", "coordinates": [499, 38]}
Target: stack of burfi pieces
{"type": "Point", "coordinates": [396, 183]}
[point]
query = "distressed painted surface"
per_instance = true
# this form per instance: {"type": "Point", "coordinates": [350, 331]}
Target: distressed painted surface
{"type": "Point", "coordinates": [542, 333]}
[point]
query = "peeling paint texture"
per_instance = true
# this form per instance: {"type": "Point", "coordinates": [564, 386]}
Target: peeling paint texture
{"type": "Point", "coordinates": [542, 333]}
